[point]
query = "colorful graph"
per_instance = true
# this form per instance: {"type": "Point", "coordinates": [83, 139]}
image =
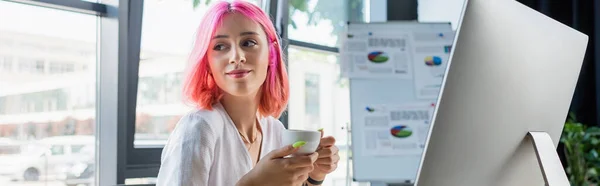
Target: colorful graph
{"type": "Point", "coordinates": [433, 61]}
{"type": "Point", "coordinates": [378, 57]}
{"type": "Point", "coordinates": [447, 49]}
{"type": "Point", "coordinates": [401, 131]}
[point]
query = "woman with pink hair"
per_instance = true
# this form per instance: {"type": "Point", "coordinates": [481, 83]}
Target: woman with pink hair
{"type": "Point", "coordinates": [238, 82]}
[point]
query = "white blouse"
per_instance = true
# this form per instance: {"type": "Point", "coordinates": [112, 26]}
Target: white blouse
{"type": "Point", "coordinates": [205, 149]}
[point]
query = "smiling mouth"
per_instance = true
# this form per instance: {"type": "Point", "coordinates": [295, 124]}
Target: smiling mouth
{"type": "Point", "coordinates": [238, 73]}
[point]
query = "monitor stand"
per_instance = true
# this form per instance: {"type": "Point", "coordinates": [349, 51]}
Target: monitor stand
{"type": "Point", "coordinates": [550, 165]}
{"type": "Point", "coordinates": [548, 160]}
{"type": "Point", "coordinates": [389, 184]}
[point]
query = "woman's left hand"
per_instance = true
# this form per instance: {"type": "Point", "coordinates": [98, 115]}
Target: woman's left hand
{"type": "Point", "coordinates": [327, 160]}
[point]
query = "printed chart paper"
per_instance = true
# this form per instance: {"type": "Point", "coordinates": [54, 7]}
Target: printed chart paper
{"type": "Point", "coordinates": [396, 130]}
{"type": "Point", "coordinates": [376, 56]}
{"type": "Point", "coordinates": [419, 55]}
{"type": "Point", "coordinates": [431, 53]}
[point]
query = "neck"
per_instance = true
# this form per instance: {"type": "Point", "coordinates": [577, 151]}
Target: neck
{"type": "Point", "coordinates": [242, 111]}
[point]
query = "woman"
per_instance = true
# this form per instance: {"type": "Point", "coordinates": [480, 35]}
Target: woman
{"type": "Point", "coordinates": [239, 84]}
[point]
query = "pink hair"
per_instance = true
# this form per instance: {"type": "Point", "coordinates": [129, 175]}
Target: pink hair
{"type": "Point", "coordinates": [200, 88]}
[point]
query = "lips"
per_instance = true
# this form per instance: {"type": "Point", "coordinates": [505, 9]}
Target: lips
{"type": "Point", "coordinates": [238, 73]}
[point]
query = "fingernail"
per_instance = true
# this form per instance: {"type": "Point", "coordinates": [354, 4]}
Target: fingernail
{"type": "Point", "coordinates": [299, 144]}
{"type": "Point", "coordinates": [320, 129]}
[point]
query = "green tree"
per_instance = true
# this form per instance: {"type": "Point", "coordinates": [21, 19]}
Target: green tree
{"type": "Point", "coordinates": [323, 10]}
{"type": "Point", "coordinates": [337, 11]}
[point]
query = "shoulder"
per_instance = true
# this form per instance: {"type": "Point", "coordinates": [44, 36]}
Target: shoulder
{"type": "Point", "coordinates": [199, 123]}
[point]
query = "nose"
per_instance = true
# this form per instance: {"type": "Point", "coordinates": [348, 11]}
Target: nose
{"type": "Point", "coordinates": [237, 56]}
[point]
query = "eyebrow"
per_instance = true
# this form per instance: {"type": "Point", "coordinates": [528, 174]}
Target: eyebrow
{"type": "Point", "coordinates": [241, 34]}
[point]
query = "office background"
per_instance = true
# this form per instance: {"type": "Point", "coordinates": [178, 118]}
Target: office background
{"type": "Point", "coordinates": [77, 76]}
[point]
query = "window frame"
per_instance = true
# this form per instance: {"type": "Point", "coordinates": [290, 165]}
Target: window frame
{"type": "Point", "coordinates": [76, 6]}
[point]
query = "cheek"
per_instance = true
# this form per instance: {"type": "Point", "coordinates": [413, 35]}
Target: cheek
{"type": "Point", "coordinates": [217, 66]}
{"type": "Point", "coordinates": [217, 61]}
{"type": "Point", "coordinates": [262, 59]}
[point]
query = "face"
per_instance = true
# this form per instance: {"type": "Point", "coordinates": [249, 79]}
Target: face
{"type": "Point", "coordinates": [238, 55]}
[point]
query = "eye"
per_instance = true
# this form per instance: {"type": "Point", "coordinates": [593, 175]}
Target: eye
{"type": "Point", "coordinates": [249, 43]}
{"type": "Point", "coordinates": [219, 47]}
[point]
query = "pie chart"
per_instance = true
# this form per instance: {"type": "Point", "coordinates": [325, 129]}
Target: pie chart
{"type": "Point", "coordinates": [378, 57]}
{"type": "Point", "coordinates": [401, 131]}
{"type": "Point", "coordinates": [433, 61]}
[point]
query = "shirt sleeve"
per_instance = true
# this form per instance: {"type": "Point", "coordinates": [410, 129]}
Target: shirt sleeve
{"type": "Point", "coordinates": [187, 157]}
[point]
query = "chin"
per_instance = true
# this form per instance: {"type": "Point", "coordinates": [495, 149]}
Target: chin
{"type": "Point", "coordinates": [241, 91]}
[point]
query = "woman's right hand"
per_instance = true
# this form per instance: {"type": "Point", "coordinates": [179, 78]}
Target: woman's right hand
{"type": "Point", "coordinates": [274, 169]}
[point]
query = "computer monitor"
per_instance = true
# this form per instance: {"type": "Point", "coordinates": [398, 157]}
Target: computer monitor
{"type": "Point", "coordinates": [512, 71]}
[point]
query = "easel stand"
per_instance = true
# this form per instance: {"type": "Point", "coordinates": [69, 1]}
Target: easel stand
{"type": "Point", "coordinates": [552, 169]}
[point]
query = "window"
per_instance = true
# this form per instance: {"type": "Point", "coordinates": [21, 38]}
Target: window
{"type": "Point", "coordinates": [25, 65]}
{"type": "Point", "coordinates": [36, 115]}
{"type": "Point", "coordinates": [57, 150]}
{"type": "Point", "coordinates": [63, 67]}
{"type": "Point", "coordinates": [39, 66]}
{"type": "Point", "coordinates": [165, 45]}
{"type": "Point", "coordinates": [55, 68]}
{"type": "Point", "coordinates": [6, 63]}
{"type": "Point", "coordinates": [319, 96]}
{"type": "Point", "coordinates": [76, 149]}
{"type": "Point", "coordinates": [312, 109]}
{"type": "Point", "coordinates": [321, 21]}
{"type": "Point", "coordinates": [69, 68]}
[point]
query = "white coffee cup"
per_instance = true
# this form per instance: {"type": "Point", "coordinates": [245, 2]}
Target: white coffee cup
{"type": "Point", "coordinates": [312, 139]}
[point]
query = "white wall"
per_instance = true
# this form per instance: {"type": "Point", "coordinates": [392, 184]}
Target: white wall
{"type": "Point", "coordinates": [428, 11]}
{"type": "Point", "coordinates": [377, 10]}
{"type": "Point", "coordinates": [440, 11]}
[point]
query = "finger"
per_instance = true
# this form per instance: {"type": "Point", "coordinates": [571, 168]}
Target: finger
{"type": "Point", "coordinates": [327, 168]}
{"type": "Point", "coordinates": [325, 152]}
{"type": "Point", "coordinates": [302, 178]}
{"type": "Point", "coordinates": [301, 161]}
{"type": "Point", "coordinates": [328, 160]}
{"type": "Point", "coordinates": [314, 157]}
{"type": "Point", "coordinates": [321, 130]}
{"type": "Point", "coordinates": [286, 150]}
{"type": "Point", "coordinates": [327, 141]}
{"type": "Point", "coordinates": [322, 133]}
{"type": "Point", "coordinates": [328, 151]}
{"type": "Point", "coordinates": [304, 170]}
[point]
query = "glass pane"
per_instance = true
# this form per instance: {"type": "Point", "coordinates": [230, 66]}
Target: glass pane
{"type": "Point", "coordinates": [322, 21]}
{"type": "Point", "coordinates": [57, 150]}
{"type": "Point", "coordinates": [441, 11]}
{"type": "Point", "coordinates": [319, 98]}
{"type": "Point", "coordinates": [167, 34]}
{"type": "Point", "coordinates": [75, 149]}
{"type": "Point", "coordinates": [47, 95]}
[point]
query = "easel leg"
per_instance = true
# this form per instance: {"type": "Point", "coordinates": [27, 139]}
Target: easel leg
{"type": "Point", "coordinates": [552, 169]}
